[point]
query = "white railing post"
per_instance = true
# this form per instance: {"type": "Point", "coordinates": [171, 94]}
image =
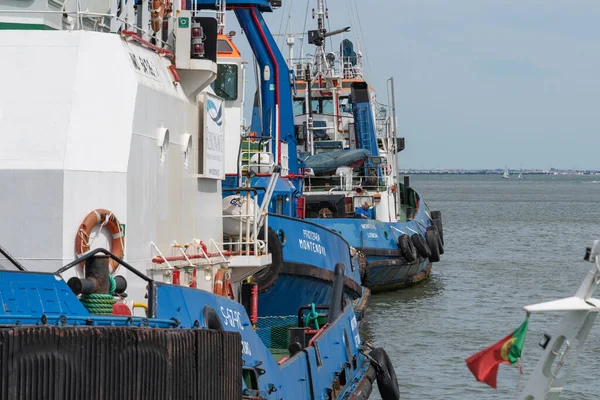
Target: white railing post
{"type": "Point", "coordinates": [114, 22]}
{"type": "Point", "coordinates": [130, 16]}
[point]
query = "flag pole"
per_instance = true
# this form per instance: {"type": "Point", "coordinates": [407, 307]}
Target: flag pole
{"type": "Point", "coordinates": [521, 360]}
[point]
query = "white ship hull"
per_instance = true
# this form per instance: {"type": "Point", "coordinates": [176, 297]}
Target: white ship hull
{"type": "Point", "coordinates": [82, 128]}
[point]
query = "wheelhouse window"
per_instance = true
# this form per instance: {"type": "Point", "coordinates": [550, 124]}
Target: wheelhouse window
{"type": "Point", "coordinates": [226, 84]}
{"type": "Point", "coordinates": [322, 105]}
{"type": "Point", "coordinates": [344, 105]}
{"type": "Point", "coordinates": [318, 106]}
{"type": "Point", "coordinates": [327, 106]}
{"type": "Point", "coordinates": [299, 106]}
{"type": "Point", "coordinates": [223, 46]}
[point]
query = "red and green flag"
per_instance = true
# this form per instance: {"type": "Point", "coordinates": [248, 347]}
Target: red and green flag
{"type": "Point", "coordinates": [484, 365]}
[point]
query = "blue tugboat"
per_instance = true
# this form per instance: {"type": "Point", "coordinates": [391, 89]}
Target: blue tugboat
{"type": "Point", "coordinates": [58, 335]}
{"type": "Point", "coordinates": [352, 183]}
{"type": "Point", "coordinates": [264, 183]}
{"type": "Point", "coordinates": [124, 280]}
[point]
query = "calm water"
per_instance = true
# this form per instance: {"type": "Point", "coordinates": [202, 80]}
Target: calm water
{"type": "Point", "coordinates": [508, 243]}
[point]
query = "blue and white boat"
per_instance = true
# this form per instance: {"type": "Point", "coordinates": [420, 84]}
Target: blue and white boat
{"type": "Point", "coordinates": [57, 344]}
{"type": "Point", "coordinates": [397, 232]}
{"type": "Point", "coordinates": [264, 181]}
{"type": "Point", "coordinates": [112, 139]}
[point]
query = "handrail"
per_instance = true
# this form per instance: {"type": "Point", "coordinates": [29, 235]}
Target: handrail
{"type": "Point", "coordinates": [13, 260]}
{"type": "Point", "coordinates": [92, 253]}
{"type": "Point", "coordinates": [254, 189]}
{"type": "Point", "coordinates": [152, 304]}
{"type": "Point", "coordinates": [319, 332]}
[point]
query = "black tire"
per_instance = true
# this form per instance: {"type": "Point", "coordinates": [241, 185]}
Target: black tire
{"type": "Point", "coordinates": [211, 319]}
{"type": "Point", "coordinates": [387, 383]}
{"type": "Point", "coordinates": [266, 277]}
{"type": "Point", "coordinates": [420, 245]}
{"type": "Point", "coordinates": [436, 219]}
{"type": "Point", "coordinates": [407, 248]}
{"type": "Point", "coordinates": [433, 241]}
{"type": "Point", "coordinates": [440, 243]}
{"type": "Point", "coordinates": [364, 276]}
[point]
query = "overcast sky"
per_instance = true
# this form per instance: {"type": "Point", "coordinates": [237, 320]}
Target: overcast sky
{"type": "Point", "coordinates": [479, 84]}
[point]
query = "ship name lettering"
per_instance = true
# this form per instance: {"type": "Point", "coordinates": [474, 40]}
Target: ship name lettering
{"type": "Point", "coordinates": [246, 348]}
{"type": "Point", "coordinates": [357, 340]}
{"type": "Point", "coordinates": [232, 318]}
{"type": "Point", "coordinates": [310, 235]}
{"type": "Point", "coordinates": [312, 246]}
{"type": "Point", "coordinates": [368, 226]}
{"type": "Point", "coordinates": [143, 65]}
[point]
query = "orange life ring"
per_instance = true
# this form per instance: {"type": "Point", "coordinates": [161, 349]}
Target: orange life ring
{"type": "Point", "coordinates": [221, 283]}
{"type": "Point", "coordinates": [157, 13]}
{"type": "Point", "coordinates": [101, 217]}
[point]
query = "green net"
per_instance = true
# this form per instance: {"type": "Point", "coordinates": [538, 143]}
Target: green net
{"type": "Point", "coordinates": [274, 332]}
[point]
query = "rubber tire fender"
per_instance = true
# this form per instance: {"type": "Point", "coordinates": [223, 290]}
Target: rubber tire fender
{"type": "Point", "coordinates": [266, 277]}
{"type": "Point", "coordinates": [440, 242]}
{"type": "Point", "coordinates": [433, 241]}
{"type": "Point", "coordinates": [420, 245]}
{"type": "Point", "coordinates": [211, 319]}
{"type": "Point", "coordinates": [387, 383]}
{"type": "Point", "coordinates": [436, 219]}
{"type": "Point", "coordinates": [407, 248]}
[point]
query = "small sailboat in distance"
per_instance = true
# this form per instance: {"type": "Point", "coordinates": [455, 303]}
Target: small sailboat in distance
{"type": "Point", "coordinates": [520, 176]}
{"type": "Point", "coordinates": [506, 175]}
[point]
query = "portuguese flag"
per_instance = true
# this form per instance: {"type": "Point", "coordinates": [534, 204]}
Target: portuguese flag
{"type": "Point", "coordinates": [484, 365]}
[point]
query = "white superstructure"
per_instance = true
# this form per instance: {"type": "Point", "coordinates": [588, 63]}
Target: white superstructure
{"type": "Point", "coordinates": [93, 116]}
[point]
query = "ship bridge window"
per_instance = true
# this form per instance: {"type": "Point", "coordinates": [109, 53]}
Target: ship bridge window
{"type": "Point", "coordinates": [299, 108]}
{"type": "Point", "coordinates": [224, 47]}
{"type": "Point", "coordinates": [319, 106]}
{"type": "Point", "coordinates": [226, 84]}
{"type": "Point", "coordinates": [344, 105]}
{"type": "Point", "coordinates": [322, 106]}
{"type": "Point", "coordinates": [327, 106]}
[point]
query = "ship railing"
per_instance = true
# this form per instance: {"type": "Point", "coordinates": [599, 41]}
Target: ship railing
{"type": "Point", "coordinates": [255, 156]}
{"type": "Point", "coordinates": [348, 67]}
{"type": "Point", "coordinates": [251, 238]}
{"type": "Point", "coordinates": [299, 65]}
{"type": "Point", "coordinates": [186, 262]}
{"type": "Point", "coordinates": [126, 19]}
{"type": "Point", "coordinates": [339, 183]}
{"type": "Point", "coordinates": [246, 240]}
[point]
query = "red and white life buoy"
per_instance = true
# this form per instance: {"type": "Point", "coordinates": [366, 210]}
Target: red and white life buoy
{"type": "Point", "coordinates": [107, 219]}
{"type": "Point", "coordinates": [157, 14]}
{"type": "Point", "coordinates": [222, 284]}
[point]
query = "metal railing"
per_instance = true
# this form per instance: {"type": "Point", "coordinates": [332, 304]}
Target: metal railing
{"type": "Point", "coordinates": [126, 17]}
{"type": "Point", "coordinates": [346, 67]}
{"type": "Point", "coordinates": [340, 183]}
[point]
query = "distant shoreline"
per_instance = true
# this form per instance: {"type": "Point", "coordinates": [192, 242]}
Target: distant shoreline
{"type": "Point", "coordinates": [515, 173]}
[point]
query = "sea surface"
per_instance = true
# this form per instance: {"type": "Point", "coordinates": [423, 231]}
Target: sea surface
{"type": "Point", "coordinates": [508, 243]}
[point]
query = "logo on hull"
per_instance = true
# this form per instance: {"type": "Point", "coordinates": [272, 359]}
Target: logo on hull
{"type": "Point", "coordinates": [215, 114]}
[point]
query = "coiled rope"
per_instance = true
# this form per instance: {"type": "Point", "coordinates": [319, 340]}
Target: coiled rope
{"type": "Point", "coordinates": [101, 303]}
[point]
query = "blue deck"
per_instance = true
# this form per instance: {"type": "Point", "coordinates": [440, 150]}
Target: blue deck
{"type": "Point", "coordinates": [29, 298]}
